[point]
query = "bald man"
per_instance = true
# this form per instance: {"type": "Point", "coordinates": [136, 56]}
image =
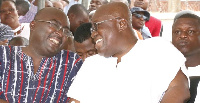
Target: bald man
{"type": "Point", "coordinates": [122, 71]}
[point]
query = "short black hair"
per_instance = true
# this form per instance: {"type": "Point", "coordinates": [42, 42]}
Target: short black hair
{"type": "Point", "coordinates": [22, 6]}
{"type": "Point", "coordinates": [83, 32]}
{"type": "Point", "coordinates": [14, 1]}
{"type": "Point", "coordinates": [188, 15]}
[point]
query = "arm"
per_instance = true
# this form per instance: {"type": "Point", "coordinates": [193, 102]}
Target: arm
{"type": "Point", "coordinates": [3, 101]}
{"type": "Point", "coordinates": [178, 90]}
{"type": "Point", "coordinates": [5, 42]}
{"type": "Point", "coordinates": [72, 100]}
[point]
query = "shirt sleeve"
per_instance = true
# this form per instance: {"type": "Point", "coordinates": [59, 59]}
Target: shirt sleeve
{"type": "Point", "coordinates": [29, 16]}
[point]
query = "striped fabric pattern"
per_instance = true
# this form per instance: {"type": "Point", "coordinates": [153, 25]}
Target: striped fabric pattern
{"type": "Point", "coordinates": [50, 84]}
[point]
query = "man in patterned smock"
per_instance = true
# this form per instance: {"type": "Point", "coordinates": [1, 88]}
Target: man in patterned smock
{"type": "Point", "coordinates": [40, 72]}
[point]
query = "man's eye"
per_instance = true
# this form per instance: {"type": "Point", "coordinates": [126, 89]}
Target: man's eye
{"type": "Point", "coordinates": [190, 32]}
{"type": "Point", "coordinates": [11, 9]}
{"type": "Point", "coordinates": [177, 32]}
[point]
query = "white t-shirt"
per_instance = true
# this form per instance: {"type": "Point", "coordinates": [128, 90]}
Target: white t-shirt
{"type": "Point", "coordinates": [142, 76]}
{"type": "Point", "coordinates": [25, 27]}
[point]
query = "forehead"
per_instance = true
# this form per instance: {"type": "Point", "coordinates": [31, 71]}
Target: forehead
{"type": "Point", "coordinates": [85, 45]}
{"type": "Point", "coordinates": [187, 21]}
{"type": "Point", "coordinates": [6, 4]}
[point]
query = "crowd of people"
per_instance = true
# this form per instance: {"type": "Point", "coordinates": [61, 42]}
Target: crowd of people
{"type": "Point", "coordinates": [109, 52]}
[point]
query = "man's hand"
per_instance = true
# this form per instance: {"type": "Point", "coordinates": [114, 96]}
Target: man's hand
{"type": "Point", "coordinates": [4, 42]}
{"type": "Point", "coordinates": [72, 100]}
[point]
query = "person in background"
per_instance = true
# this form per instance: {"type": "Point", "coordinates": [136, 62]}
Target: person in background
{"type": "Point", "coordinates": [18, 41]}
{"type": "Point", "coordinates": [154, 25]}
{"type": "Point", "coordinates": [22, 7]}
{"type": "Point", "coordinates": [58, 5]}
{"type": "Point", "coordinates": [71, 3]}
{"type": "Point", "coordinates": [84, 46]}
{"type": "Point", "coordinates": [9, 16]}
{"type": "Point", "coordinates": [95, 4]}
{"type": "Point", "coordinates": [139, 16]}
{"type": "Point", "coordinates": [122, 71]}
{"type": "Point", "coordinates": [42, 71]}
{"type": "Point", "coordinates": [77, 15]}
{"type": "Point", "coordinates": [186, 38]}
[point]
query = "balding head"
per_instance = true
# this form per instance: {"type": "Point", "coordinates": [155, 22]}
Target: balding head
{"type": "Point", "coordinates": [112, 30]}
{"type": "Point", "coordinates": [114, 9]}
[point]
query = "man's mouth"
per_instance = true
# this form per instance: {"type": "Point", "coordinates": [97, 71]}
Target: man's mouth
{"type": "Point", "coordinates": [55, 41]}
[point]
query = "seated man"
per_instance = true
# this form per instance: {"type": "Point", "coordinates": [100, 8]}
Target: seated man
{"type": "Point", "coordinates": [185, 37]}
{"type": "Point", "coordinates": [139, 17]}
{"type": "Point", "coordinates": [42, 71]}
{"type": "Point", "coordinates": [122, 71]}
{"type": "Point", "coordinates": [84, 46]}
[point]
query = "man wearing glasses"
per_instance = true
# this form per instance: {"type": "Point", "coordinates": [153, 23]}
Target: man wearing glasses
{"type": "Point", "coordinates": [42, 71]}
{"type": "Point", "coordinates": [123, 72]}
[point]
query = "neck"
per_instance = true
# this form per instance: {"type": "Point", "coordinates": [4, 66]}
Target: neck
{"type": "Point", "coordinates": [126, 48]}
{"type": "Point", "coordinates": [15, 25]}
{"type": "Point", "coordinates": [193, 60]}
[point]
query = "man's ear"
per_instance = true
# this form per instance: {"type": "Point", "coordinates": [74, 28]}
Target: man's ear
{"type": "Point", "coordinates": [32, 25]}
{"type": "Point", "coordinates": [71, 16]}
{"type": "Point", "coordinates": [122, 25]}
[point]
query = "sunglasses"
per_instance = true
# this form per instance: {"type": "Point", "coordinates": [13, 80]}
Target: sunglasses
{"type": "Point", "coordinates": [140, 16]}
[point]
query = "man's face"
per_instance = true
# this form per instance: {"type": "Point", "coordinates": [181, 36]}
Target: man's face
{"type": "Point", "coordinates": [95, 4]}
{"type": "Point", "coordinates": [106, 35]}
{"type": "Point", "coordinates": [77, 21]}
{"type": "Point", "coordinates": [50, 40]}
{"type": "Point", "coordinates": [85, 49]}
{"type": "Point", "coordinates": [186, 35]}
{"type": "Point", "coordinates": [138, 20]}
{"type": "Point", "coordinates": [141, 3]}
{"type": "Point", "coordinates": [8, 13]}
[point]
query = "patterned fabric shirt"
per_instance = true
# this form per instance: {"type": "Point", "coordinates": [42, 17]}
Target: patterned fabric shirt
{"type": "Point", "coordinates": [5, 32]}
{"type": "Point", "coordinates": [50, 84]}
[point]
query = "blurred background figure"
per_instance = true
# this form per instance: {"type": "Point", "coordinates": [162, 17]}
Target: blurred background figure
{"type": "Point", "coordinates": [18, 41]}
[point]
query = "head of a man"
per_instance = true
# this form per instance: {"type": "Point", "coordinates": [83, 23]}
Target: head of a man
{"type": "Point", "coordinates": [124, 1]}
{"type": "Point", "coordinates": [8, 14]}
{"type": "Point", "coordinates": [112, 29]}
{"type": "Point", "coordinates": [139, 16]}
{"type": "Point", "coordinates": [141, 3]}
{"type": "Point", "coordinates": [18, 41]}
{"type": "Point", "coordinates": [48, 30]}
{"type": "Point", "coordinates": [95, 4]}
{"type": "Point", "coordinates": [22, 7]}
{"type": "Point", "coordinates": [48, 3]}
{"type": "Point", "coordinates": [58, 5]}
{"type": "Point", "coordinates": [83, 42]}
{"type": "Point", "coordinates": [78, 15]}
{"type": "Point", "coordinates": [186, 34]}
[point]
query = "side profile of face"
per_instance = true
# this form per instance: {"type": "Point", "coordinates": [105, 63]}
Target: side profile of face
{"type": "Point", "coordinates": [8, 13]}
{"type": "Point", "coordinates": [77, 20]}
{"type": "Point", "coordinates": [49, 29]}
{"type": "Point", "coordinates": [141, 3]}
{"type": "Point", "coordinates": [138, 21]}
{"type": "Point", "coordinates": [95, 4]}
{"type": "Point", "coordinates": [85, 49]}
{"type": "Point", "coordinates": [186, 35]}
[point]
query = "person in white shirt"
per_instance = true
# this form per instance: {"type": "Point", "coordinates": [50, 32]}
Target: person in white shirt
{"type": "Point", "coordinates": [185, 37]}
{"type": "Point", "coordinates": [124, 70]}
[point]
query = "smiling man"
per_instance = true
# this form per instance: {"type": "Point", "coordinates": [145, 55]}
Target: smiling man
{"type": "Point", "coordinates": [122, 71]}
{"type": "Point", "coordinates": [41, 71]}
